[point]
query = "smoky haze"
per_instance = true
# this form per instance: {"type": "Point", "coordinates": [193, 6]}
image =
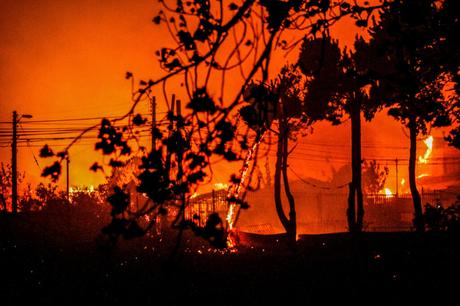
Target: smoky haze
{"type": "Point", "coordinates": [67, 59]}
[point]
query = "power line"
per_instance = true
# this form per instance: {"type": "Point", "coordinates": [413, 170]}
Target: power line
{"type": "Point", "coordinates": [315, 185]}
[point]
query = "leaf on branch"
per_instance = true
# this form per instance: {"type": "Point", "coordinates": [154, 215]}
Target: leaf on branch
{"type": "Point", "coordinates": [175, 63]}
{"type": "Point", "coordinates": [53, 171]}
{"type": "Point", "coordinates": [138, 120]}
{"type": "Point", "coordinates": [187, 40]}
{"type": "Point", "coordinates": [95, 167]}
{"type": "Point", "coordinates": [202, 102]}
{"type": "Point", "coordinates": [157, 19]}
{"type": "Point", "coordinates": [179, 189]}
{"type": "Point", "coordinates": [361, 23]}
{"type": "Point", "coordinates": [196, 177]}
{"type": "Point", "coordinates": [195, 160]}
{"type": "Point", "coordinates": [111, 139]}
{"type": "Point", "coordinates": [119, 201]}
{"type": "Point", "coordinates": [233, 6]}
{"type": "Point", "coordinates": [345, 6]}
{"type": "Point", "coordinates": [62, 154]}
{"type": "Point", "coordinates": [225, 131]}
{"type": "Point", "coordinates": [278, 11]}
{"type": "Point", "coordinates": [229, 155]}
{"type": "Point", "coordinates": [116, 163]}
{"type": "Point", "coordinates": [46, 152]}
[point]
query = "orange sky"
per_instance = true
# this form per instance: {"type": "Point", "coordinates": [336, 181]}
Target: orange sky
{"type": "Point", "coordinates": [67, 59]}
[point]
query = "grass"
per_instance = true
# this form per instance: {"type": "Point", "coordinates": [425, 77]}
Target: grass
{"type": "Point", "coordinates": [60, 259]}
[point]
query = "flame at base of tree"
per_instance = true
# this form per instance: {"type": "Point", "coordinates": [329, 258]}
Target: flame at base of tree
{"type": "Point", "coordinates": [234, 194]}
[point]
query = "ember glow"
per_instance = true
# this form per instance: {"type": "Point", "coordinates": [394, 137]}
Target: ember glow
{"type": "Point", "coordinates": [232, 210]}
{"type": "Point", "coordinates": [388, 193]}
{"type": "Point", "coordinates": [235, 193]}
{"type": "Point", "coordinates": [429, 149]}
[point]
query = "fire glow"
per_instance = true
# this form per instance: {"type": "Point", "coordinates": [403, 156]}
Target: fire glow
{"type": "Point", "coordinates": [387, 192]}
{"type": "Point", "coordinates": [429, 149]}
{"type": "Point", "coordinates": [232, 209]}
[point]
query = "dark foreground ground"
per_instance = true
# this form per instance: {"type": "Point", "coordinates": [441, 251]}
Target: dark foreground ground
{"type": "Point", "coordinates": [59, 264]}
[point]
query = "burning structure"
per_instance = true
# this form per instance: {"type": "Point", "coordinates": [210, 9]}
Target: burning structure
{"type": "Point", "coordinates": [322, 204]}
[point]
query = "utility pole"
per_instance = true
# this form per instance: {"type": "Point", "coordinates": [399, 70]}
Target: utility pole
{"type": "Point", "coordinates": [180, 169]}
{"type": "Point", "coordinates": [170, 130]}
{"type": "Point", "coordinates": [14, 165]}
{"type": "Point", "coordinates": [154, 122]}
{"type": "Point", "coordinates": [397, 179]}
{"type": "Point", "coordinates": [67, 159]}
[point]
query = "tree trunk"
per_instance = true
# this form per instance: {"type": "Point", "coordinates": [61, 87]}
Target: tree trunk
{"type": "Point", "coordinates": [277, 188]}
{"type": "Point", "coordinates": [355, 211]}
{"type": "Point", "coordinates": [292, 232]}
{"type": "Point", "coordinates": [418, 214]}
{"type": "Point", "coordinates": [289, 223]}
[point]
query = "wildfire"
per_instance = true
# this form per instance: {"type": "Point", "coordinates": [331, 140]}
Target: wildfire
{"type": "Point", "coordinates": [220, 186]}
{"type": "Point", "coordinates": [429, 148]}
{"type": "Point", "coordinates": [232, 209]}
{"type": "Point", "coordinates": [83, 189]}
{"type": "Point", "coordinates": [387, 192]}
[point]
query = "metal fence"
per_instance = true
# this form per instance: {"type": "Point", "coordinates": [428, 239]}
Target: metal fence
{"type": "Point", "coordinates": [316, 212]}
{"type": "Point", "coordinates": [201, 206]}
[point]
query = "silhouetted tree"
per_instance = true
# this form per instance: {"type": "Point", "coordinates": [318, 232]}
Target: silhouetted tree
{"type": "Point", "coordinates": [6, 185]}
{"type": "Point", "coordinates": [411, 79]}
{"type": "Point", "coordinates": [282, 103]}
{"type": "Point", "coordinates": [447, 24]}
{"type": "Point", "coordinates": [339, 84]}
{"type": "Point", "coordinates": [374, 177]}
{"type": "Point", "coordinates": [210, 39]}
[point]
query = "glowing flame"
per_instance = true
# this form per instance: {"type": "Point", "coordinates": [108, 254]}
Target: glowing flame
{"type": "Point", "coordinates": [387, 192]}
{"type": "Point", "coordinates": [219, 186]}
{"type": "Point", "coordinates": [429, 148]}
{"type": "Point", "coordinates": [233, 209]}
{"type": "Point", "coordinates": [403, 182]}
{"type": "Point", "coordinates": [422, 175]}
{"type": "Point", "coordinates": [82, 189]}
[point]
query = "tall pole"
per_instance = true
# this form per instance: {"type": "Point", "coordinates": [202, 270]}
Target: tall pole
{"type": "Point", "coordinates": [67, 176]}
{"type": "Point", "coordinates": [180, 169]}
{"type": "Point", "coordinates": [397, 179]}
{"type": "Point", "coordinates": [14, 165]}
{"type": "Point", "coordinates": [154, 122]}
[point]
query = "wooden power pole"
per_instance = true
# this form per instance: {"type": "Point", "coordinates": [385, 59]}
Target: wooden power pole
{"type": "Point", "coordinates": [14, 165]}
{"type": "Point", "coordinates": [67, 176]}
{"type": "Point", "coordinates": [154, 122]}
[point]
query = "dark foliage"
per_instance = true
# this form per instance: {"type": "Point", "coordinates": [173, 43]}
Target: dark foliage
{"type": "Point", "coordinates": [119, 201]}
{"type": "Point", "coordinates": [111, 139]}
{"type": "Point", "coordinates": [438, 218]}
{"type": "Point", "coordinates": [46, 152]}
{"type": "Point", "coordinates": [53, 171]}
